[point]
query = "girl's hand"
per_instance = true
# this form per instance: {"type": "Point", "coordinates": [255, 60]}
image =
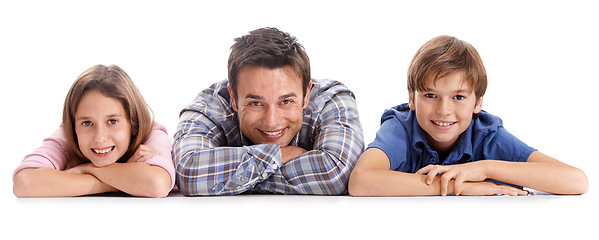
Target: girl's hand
{"type": "Point", "coordinates": [81, 169]}
{"type": "Point", "coordinates": [143, 153]}
{"type": "Point", "coordinates": [467, 172]}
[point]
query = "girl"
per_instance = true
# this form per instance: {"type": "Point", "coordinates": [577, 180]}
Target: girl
{"type": "Point", "coordinates": [107, 142]}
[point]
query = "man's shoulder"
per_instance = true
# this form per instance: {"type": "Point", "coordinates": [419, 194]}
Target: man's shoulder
{"type": "Point", "coordinates": [324, 90]}
{"type": "Point", "coordinates": [212, 101]}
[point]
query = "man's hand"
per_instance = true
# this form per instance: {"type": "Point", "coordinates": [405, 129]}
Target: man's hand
{"type": "Point", "coordinates": [291, 152]}
{"type": "Point", "coordinates": [143, 153]}
{"type": "Point", "coordinates": [467, 172]}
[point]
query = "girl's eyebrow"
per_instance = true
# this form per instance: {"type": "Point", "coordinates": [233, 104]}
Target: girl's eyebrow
{"type": "Point", "coordinates": [107, 116]}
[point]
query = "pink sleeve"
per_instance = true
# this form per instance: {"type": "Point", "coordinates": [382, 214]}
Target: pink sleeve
{"type": "Point", "coordinates": [51, 154]}
{"type": "Point", "coordinates": [160, 141]}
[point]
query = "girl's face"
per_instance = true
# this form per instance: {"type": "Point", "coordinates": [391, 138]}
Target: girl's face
{"type": "Point", "coordinates": [102, 127]}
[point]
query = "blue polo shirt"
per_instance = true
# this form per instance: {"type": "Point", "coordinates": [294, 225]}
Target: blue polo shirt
{"type": "Point", "coordinates": [404, 142]}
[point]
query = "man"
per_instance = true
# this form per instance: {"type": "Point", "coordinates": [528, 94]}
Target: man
{"type": "Point", "coordinates": [270, 128]}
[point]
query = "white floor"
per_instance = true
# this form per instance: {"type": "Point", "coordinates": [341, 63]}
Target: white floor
{"type": "Point", "coordinates": [301, 217]}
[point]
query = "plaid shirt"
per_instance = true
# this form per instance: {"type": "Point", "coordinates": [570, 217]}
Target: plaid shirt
{"type": "Point", "coordinates": [212, 157]}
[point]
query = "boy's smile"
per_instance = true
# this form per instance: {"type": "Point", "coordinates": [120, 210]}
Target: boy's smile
{"type": "Point", "coordinates": [444, 111]}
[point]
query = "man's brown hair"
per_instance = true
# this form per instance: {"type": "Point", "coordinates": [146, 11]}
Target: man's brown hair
{"type": "Point", "coordinates": [271, 48]}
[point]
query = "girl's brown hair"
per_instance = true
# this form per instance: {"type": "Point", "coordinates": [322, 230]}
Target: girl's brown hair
{"type": "Point", "coordinates": [113, 82]}
{"type": "Point", "coordinates": [442, 56]}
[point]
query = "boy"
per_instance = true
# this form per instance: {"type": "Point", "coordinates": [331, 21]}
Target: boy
{"type": "Point", "coordinates": [441, 142]}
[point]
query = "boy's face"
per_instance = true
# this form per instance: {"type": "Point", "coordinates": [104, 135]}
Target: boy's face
{"type": "Point", "coordinates": [270, 104]}
{"type": "Point", "coordinates": [445, 110]}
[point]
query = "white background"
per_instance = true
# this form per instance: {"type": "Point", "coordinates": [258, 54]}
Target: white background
{"type": "Point", "coordinates": [541, 61]}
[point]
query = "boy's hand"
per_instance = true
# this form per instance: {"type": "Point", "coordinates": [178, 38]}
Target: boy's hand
{"type": "Point", "coordinates": [467, 172]}
{"type": "Point", "coordinates": [489, 188]}
{"type": "Point", "coordinates": [143, 153]}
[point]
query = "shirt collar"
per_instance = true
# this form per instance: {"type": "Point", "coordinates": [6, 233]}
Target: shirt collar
{"type": "Point", "coordinates": [461, 152]}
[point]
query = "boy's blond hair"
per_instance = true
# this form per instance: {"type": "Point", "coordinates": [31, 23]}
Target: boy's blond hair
{"type": "Point", "coordinates": [442, 56]}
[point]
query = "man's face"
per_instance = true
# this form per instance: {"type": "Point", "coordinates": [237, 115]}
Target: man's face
{"type": "Point", "coordinates": [445, 111]}
{"type": "Point", "coordinates": [269, 103]}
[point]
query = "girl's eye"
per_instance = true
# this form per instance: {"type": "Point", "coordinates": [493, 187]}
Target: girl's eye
{"type": "Point", "coordinates": [430, 95]}
{"type": "Point", "coordinates": [86, 123]}
{"type": "Point", "coordinates": [112, 121]}
{"type": "Point", "coordinates": [459, 97]}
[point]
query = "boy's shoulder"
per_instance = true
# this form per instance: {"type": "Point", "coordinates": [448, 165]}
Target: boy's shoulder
{"type": "Point", "coordinates": [400, 112]}
{"type": "Point", "coordinates": [487, 122]}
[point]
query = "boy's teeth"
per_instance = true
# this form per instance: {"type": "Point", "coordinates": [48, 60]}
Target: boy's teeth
{"type": "Point", "coordinates": [272, 133]}
{"type": "Point", "coordinates": [443, 124]}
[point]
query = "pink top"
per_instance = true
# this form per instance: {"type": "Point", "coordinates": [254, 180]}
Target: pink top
{"type": "Point", "coordinates": [53, 152]}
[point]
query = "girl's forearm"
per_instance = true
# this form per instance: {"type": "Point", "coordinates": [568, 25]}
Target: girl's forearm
{"type": "Point", "coordinates": [48, 182]}
{"type": "Point", "coordinates": [137, 178]}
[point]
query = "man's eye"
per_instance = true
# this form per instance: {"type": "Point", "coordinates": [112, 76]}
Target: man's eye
{"type": "Point", "coordinates": [430, 95]}
{"type": "Point", "coordinates": [286, 101]}
{"type": "Point", "coordinates": [86, 123]}
{"type": "Point", "coordinates": [254, 104]}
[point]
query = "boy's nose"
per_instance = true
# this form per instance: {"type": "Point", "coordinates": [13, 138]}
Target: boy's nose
{"type": "Point", "coordinates": [444, 107]}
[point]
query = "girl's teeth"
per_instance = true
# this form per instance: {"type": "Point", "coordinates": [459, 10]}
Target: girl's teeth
{"type": "Point", "coordinates": [272, 133]}
{"type": "Point", "coordinates": [101, 151]}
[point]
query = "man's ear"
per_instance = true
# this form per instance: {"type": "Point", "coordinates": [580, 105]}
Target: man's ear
{"type": "Point", "coordinates": [478, 106]}
{"type": "Point", "coordinates": [232, 95]}
{"type": "Point", "coordinates": [307, 97]}
{"type": "Point", "coordinates": [411, 102]}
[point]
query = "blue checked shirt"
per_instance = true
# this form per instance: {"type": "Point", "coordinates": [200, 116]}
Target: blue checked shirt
{"type": "Point", "coordinates": [212, 157]}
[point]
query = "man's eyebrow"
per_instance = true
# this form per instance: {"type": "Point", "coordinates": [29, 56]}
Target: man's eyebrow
{"type": "Point", "coordinates": [252, 96]}
{"type": "Point", "coordinates": [288, 95]}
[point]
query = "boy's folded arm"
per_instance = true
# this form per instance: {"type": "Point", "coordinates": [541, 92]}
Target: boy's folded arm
{"type": "Point", "coordinates": [540, 172]}
{"type": "Point", "coordinates": [372, 177]}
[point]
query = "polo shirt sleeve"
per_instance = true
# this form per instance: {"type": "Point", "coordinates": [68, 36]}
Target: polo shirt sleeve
{"type": "Point", "coordinates": [392, 138]}
{"type": "Point", "coordinates": [504, 146]}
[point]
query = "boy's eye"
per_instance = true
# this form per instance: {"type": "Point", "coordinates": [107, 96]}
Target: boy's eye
{"type": "Point", "coordinates": [459, 97]}
{"type": "Point", "coordinates": [430, 95]}
{"type": "Point", "coordinates": [86, 123]}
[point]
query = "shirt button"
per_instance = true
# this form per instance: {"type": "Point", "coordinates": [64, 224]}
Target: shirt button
{"type": "Point", "coordinates": [274, 166]}
{"type": "Point", "coordinates": [242, 179]}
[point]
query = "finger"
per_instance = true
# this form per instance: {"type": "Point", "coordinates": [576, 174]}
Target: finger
{"type": "Point", "coordinates": [445, 178]}
{"type": "Point", "coordinates": [433, 173]}
{"type": "Point", "coordinates": [457, 184]}
{"type": "Point", "coordinates": [425, 169]}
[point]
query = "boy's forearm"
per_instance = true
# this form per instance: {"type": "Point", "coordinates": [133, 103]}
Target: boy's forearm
{"type": "Point", "coordinates": [557, 178]}
{"type": "Point", "coordinates": [393, 183]}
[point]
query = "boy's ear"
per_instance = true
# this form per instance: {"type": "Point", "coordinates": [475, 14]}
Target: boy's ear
{"type": "Point", "coordinates": [232, 95]}
{"type": "Point", "coordinates": [411, 102]}
{"type": "Point", "coordinates": [478, 106]}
